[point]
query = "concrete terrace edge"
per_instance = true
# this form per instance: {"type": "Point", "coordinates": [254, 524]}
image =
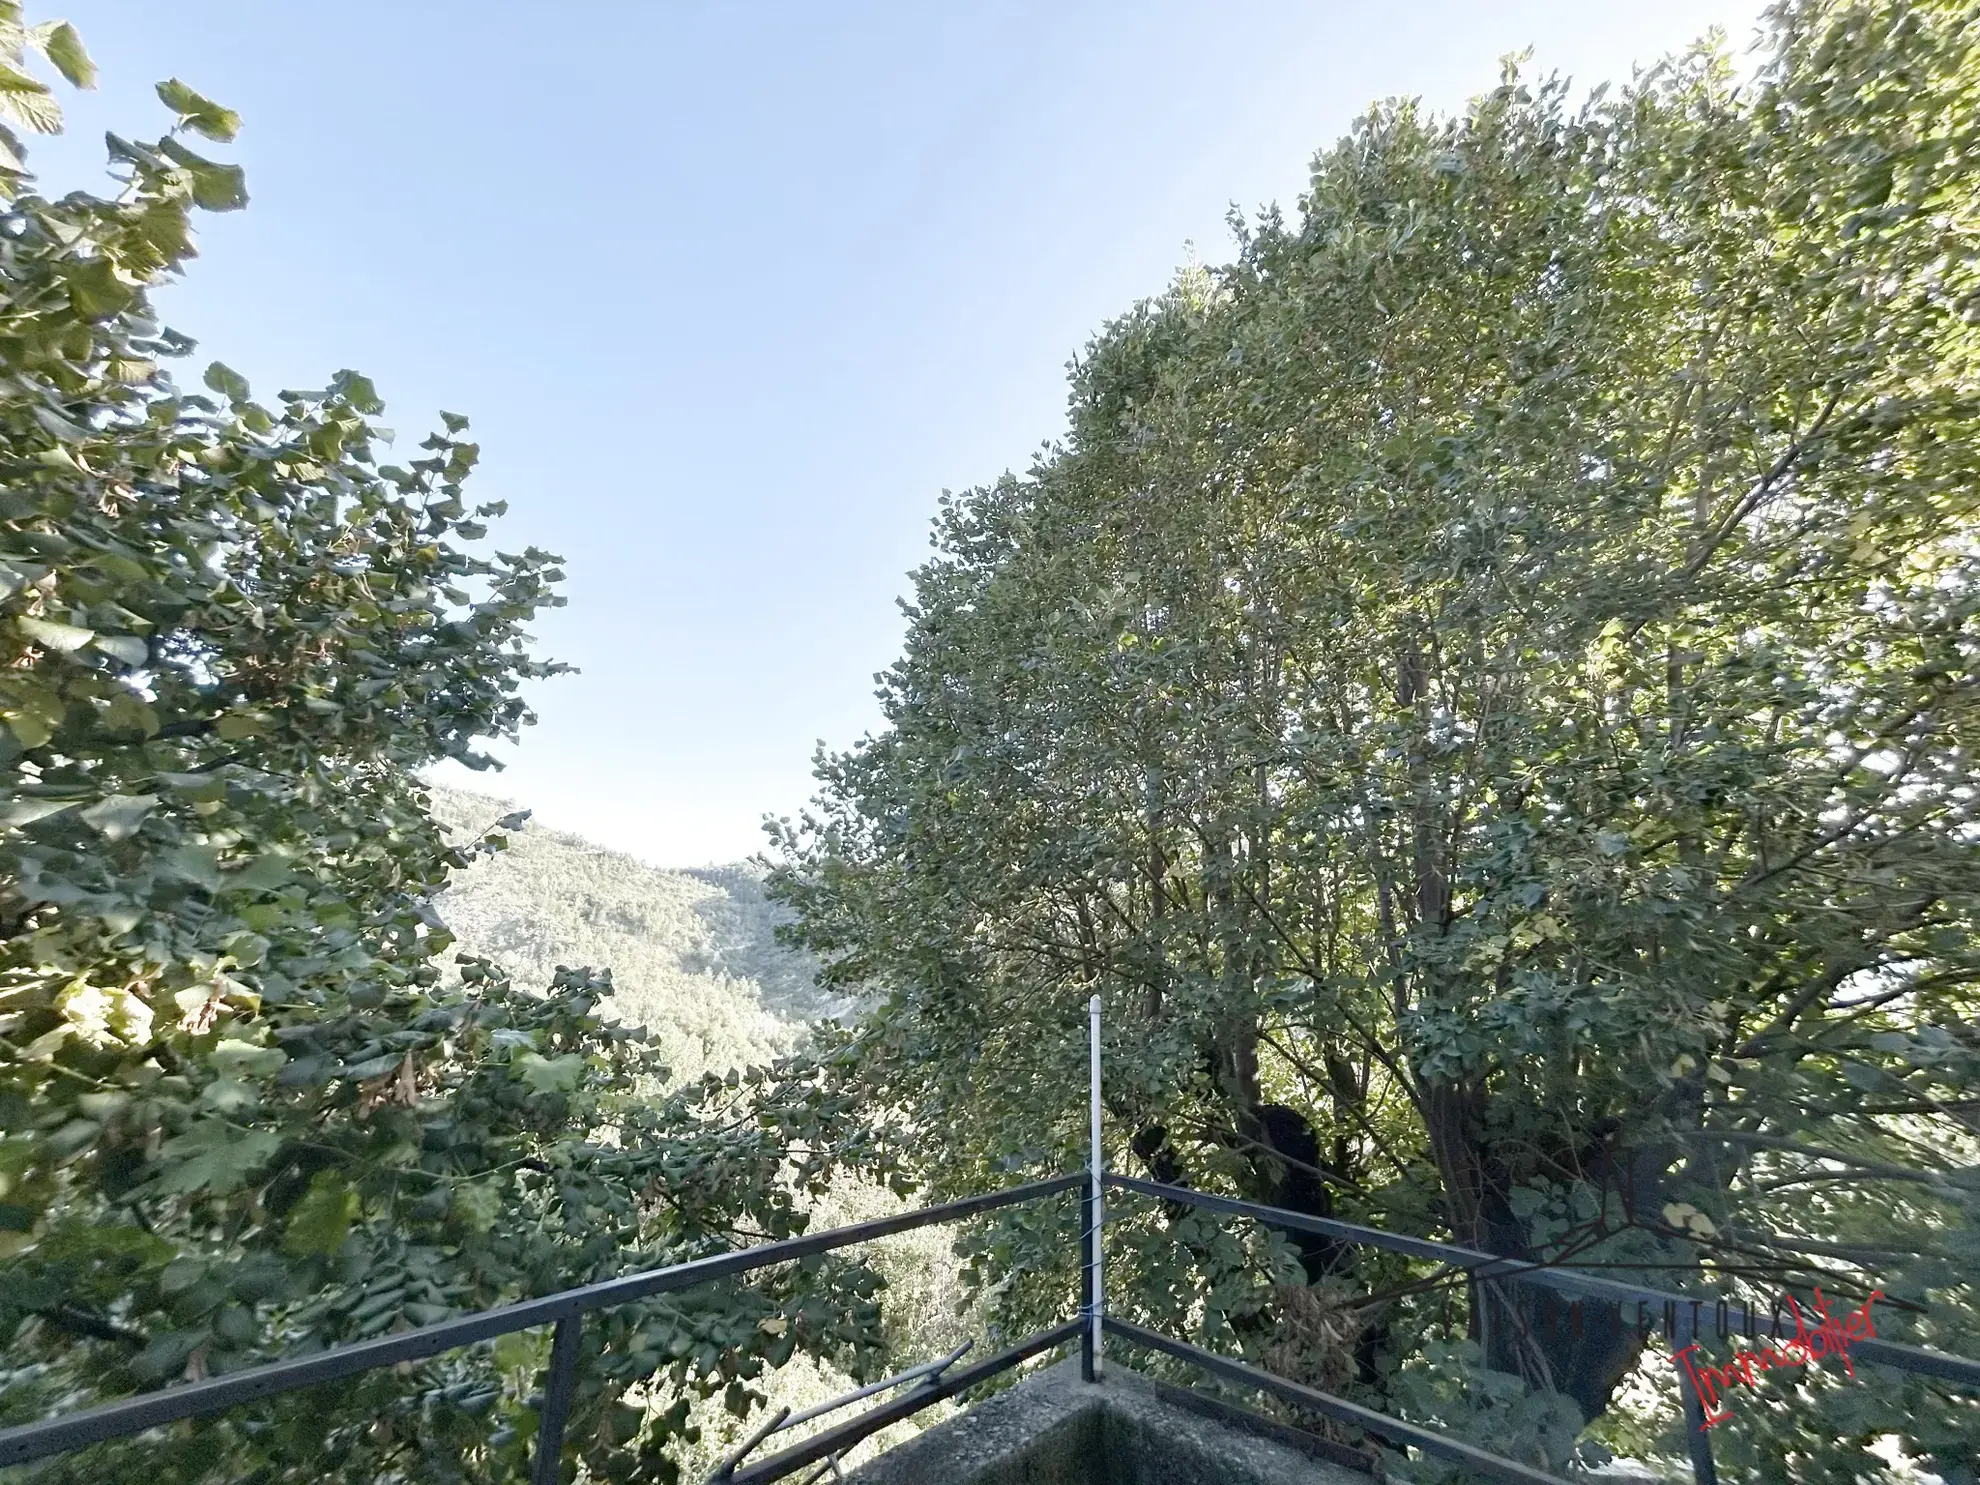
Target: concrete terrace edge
{"type": "Point", "coordinates": [1053, 1429]}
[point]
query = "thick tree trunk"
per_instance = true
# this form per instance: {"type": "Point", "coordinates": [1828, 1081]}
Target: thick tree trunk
{"type": "Point", "coordinates": [1582, 1352]}
{"type": "Point", "coordinates": [1293, 1181]}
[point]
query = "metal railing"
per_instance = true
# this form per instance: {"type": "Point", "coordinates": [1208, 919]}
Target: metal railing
{"type": "Point", "coordinates": [564, 1310]}
{"type": "Point", "coordinates": [1368, 1420]}
{"type": "Point", "coordinates": [1684, 1318]}
{"type": "Point", "coordinates": [1681, 1315]}
{"type": "Point", "coordinates": [1677, 1313]}
{"type": "Point", "coordinates": [836, 1441]}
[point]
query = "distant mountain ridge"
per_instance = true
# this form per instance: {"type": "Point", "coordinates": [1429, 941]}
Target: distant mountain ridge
{"type": "Point", "coordinates": [694, 959]}
{"type": "Point", "coordinates": [693, 953]}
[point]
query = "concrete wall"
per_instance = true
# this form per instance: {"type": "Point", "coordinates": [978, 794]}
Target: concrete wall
{"type": "Point", "coordinates": [1053, 1429]}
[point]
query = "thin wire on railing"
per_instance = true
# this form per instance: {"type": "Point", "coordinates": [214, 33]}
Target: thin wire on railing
{"type": "Point", "coordinates": [834, 1441]}
{"type": "Point", "coordinates": [784, 1419]}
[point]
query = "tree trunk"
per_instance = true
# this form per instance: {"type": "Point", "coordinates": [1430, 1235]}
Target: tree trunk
{"type": "Point", "coordinates": [1580, 1352]}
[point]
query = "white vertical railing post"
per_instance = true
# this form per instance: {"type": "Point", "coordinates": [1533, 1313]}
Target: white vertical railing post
{"type": "Point", "coordinates": [1093, 1292]}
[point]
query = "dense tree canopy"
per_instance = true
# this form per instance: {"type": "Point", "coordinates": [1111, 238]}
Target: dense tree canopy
{"type": "Point", "coordinates": [243, 1110]}
{"type": "Point", "coordinates": [1486, 691]}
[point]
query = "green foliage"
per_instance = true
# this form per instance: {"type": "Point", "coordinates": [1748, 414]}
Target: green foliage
{"type": "Point", "coordinates": [1486, 691]}
{"type": "Point", "coordinates": [1449, 1387]}
{"type": "Point", "coordinates": [242, 1110]}
{"type": "Point", "coordinates": [200, 114]}
{"type": "Point", "coordinates": [26, 100]}
{"type": "Point", "coordinates": [695, 961]}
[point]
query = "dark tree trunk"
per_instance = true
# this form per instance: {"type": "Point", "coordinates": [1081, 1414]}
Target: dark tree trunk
{"type": "Point", "coordinates": [1580, 1352]}
{"type": "Point", "coordinates": [1294, 1182]}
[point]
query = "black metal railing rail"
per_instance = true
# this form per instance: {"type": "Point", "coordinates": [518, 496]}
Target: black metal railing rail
{"type": "Point", "coordinates": [1429, 1440]}
{"type": "Point", "coordinates": [564, 1310]}
{"type": "Point", "coordinates": [1649, 1307]}
{"type": "Point", "coordinates": [835, 1441]}
{"type": "Point", "coordinates": [1682, 1316]}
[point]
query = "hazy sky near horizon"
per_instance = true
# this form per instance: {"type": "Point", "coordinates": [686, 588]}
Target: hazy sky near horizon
{"type": "Point", "coordinates": [733, 292]}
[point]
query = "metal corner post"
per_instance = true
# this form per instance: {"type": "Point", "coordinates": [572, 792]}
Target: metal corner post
{"type": "Point", "coordinates": [559, 1388]}
{"type": "Point", "coordinates": [1092, 1294]}
{"type": "Point", "coordinates": [1698, 1440]}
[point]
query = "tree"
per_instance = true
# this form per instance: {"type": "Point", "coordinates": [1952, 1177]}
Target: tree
{"type": "Point", "coordinates": [1486, 692]}
{"type": "Point", "coordinates": [242, 1108]}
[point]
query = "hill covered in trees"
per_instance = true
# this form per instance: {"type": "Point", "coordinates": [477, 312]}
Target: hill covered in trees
{"type": "Point", "coordinates": [692, 952]}
{"type": "Point", "coordinates": [695, 961]}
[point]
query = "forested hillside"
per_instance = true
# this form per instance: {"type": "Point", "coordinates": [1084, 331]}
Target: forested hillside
{"type": "Point", "coordinates": [695, 961]}
{"type": "Point", "coordinates": [692, 953]}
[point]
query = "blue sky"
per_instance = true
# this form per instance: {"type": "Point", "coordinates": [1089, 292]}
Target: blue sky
{"type": "Point", "coordinates": [732, 292]}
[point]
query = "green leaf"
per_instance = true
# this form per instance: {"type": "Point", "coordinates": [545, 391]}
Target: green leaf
{"type": "Point", "coordinates": [27, 100]}
{"type": "Point", "coordinates": [197, 113]}
{"type": "Point", "coordinates": [229, 383]}
{"type": "Point", "coordinates": [549, 1074]}
{"type": "Point", "coordinates": [18, 812]}
{"type": "Point", "coordinates": [357, 390]}
{"type": "Point", "coordinates": [319, 1223]}
{"type": "Point", "coordinates": [476, 1205]}
{"type": "Point", "coordinates": [62, 46]}
{"type": "Point", "coordinates": [128, 648]}
{"type": "Point", "coordinates": [220, 187]}
{"type": "Point", "coordinates": [230, 1096]}
{"type": "Point", "coordinates": [266, 873]}
{"type": "Point", "coordinates": [216, 187]}
{"type": "Point", "coordinates": [64, 639]}
{"type": "Point", "coordinates": [243, 1059]}
{"type": "Point", "coordinates": [198, 864]}
{"type": "Point", "coordinates": [1870, 1079]}
{"type": "Point", "coordinates": [96, 289]}
{"type": "Point", "coordinates": [215, 1157]}
{"type": "Point", "coordinates": [29, 728]}
{"type": "Point", "coordinates": [127, 712]}
{"type": "Point", "coordinates": [166, 1354]}
{"type": "Point", "coordinates": [118, 816]}
{"type": "Point", "coordinates": [131, 371]}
